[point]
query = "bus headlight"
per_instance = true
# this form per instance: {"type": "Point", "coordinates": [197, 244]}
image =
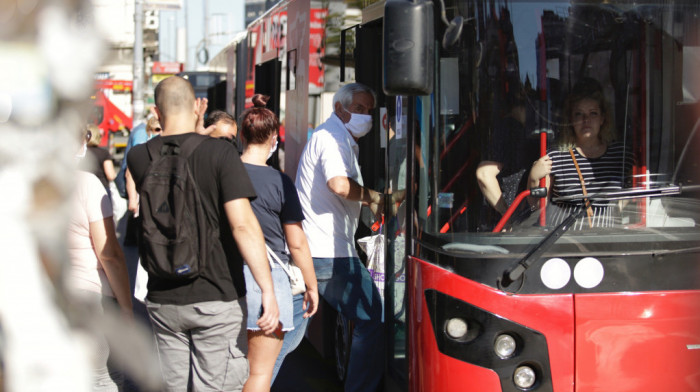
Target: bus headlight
{"type": "Point", "coordinates": [504, 346]}
{"type": "Point", "coordinates": [524, 377]}
{"type": "Point", "coordinates": [456, 328]}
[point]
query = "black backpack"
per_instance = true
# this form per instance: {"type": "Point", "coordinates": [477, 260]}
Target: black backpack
{"type": "Point", "coordinates": [178, 229]}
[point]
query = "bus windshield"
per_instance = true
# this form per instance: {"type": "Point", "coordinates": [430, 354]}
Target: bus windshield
{"type": "Point", "coordinates": [597, 103]}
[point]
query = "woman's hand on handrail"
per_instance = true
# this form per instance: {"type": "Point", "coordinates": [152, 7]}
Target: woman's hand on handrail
{"type": "Point", "coordinates": [540, 168]}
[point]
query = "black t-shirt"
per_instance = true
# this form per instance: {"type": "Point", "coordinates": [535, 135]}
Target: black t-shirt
{"type": "Point", "coordinates": [221, 177]}
{"type": "Point", "coordinates": [277, 203]}
{"type": "Point", "coordinates": [94, 163]}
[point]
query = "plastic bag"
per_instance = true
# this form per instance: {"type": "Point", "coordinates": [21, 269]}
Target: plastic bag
{"type": "Point", "coordinates": [373, 246]}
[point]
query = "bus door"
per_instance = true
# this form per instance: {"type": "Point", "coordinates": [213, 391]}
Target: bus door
{"type": "Point", "coordinates": [268, 77]}
{"type": "Point", "coordinates": [267, 82]}
{"type": "Point", "coordinates": [383, 163]}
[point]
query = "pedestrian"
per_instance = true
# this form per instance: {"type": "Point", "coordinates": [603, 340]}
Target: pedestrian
{"type": "Point", "coordinates": [331, 193]}
{"type": "Point", "coordinates": [279, 213]}
{"type": "Point", "coordinates": [138, 135]}
{"type": "Point", "coordinates": [222, 125]}
{"type": "Point", "coordinates": [98, 161]}
{"type": "Point", "coordinates": [97, 273]}
{"type": "Point", "coordinates": [153, 129]}
{"type": "Point", "coordinates": [198, 322]}
{"type": "Point", "coordinates": [218, 123]}
{"type": "Point", "coordinates": [125, 184]}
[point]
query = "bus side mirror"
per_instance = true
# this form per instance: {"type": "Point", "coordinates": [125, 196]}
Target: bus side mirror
{"type": "Point", "coordinates": [408, 47]}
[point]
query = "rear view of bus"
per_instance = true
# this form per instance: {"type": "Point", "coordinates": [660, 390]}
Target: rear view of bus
{"type": "Point", "coordinates": [549, 301]}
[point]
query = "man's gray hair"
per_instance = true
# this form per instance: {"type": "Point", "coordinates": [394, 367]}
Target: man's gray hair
{"type": "Point", "coordinates": [345, 94]}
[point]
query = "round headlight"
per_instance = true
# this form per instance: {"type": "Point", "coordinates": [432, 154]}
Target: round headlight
{"type": "Point", "coordinates": [456, 328]}
{"type": "Point", "coordinates": [504, 346]}
{"type": "Point", "coordinates": [524, 377]}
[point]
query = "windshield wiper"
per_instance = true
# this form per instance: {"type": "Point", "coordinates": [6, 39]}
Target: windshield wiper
{"type": "Point", "coordinates": [516, 272]}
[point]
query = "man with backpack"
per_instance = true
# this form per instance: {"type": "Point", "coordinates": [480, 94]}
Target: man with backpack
{"type": "Point", "coordinates": [196, 217]}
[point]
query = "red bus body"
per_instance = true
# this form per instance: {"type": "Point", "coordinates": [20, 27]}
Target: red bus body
{"type": "Point", "coordinates": [624, 341]}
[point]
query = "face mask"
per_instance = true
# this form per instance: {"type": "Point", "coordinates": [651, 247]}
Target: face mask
{"type": "Point", "coordinates": [359, 124]}
{"type": "Point", "coordinates": [272, 150]}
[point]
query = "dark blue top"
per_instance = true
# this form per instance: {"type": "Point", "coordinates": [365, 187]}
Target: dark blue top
{"type": "Point", "coordinates": [277, 203]}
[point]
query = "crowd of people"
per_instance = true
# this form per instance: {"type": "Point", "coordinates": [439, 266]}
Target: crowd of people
{"type": "Point", "coordinates": [229, 323]}
{"type": "Point", "coordinates": [227, 320]}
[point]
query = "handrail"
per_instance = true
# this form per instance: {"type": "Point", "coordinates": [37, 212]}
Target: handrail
{"type": "Point", "coordinates": [536, 192]}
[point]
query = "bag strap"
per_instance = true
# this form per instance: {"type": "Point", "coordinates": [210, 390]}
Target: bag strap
{"type": "Point", "coordinates": [153, 147]}
{"type": "Point", "coordinates": [156, 146]}
{"type": "Point", "coordinates": [191, 143]}
{"type": "Point", "coordinates": [589, 210]}
{"type": "Point", "coordinates": [272, 256]}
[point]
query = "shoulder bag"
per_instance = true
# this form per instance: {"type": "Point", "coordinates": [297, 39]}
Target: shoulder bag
{"type": "Point", "coordinates": [296, 278]}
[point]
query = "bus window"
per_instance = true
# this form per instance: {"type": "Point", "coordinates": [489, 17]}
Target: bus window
{"type": "Point", "coordinates": [510, 87]}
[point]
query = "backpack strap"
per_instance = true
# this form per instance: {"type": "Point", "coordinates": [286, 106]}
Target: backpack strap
{"type": "Point", "coordinates": [191, 143]}
{"type": "Point", "coordinates": [153, 147]}
{"type": "Point", "coordinates": [156, 147]}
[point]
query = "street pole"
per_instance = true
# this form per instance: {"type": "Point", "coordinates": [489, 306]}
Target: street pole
{"type": "Point", "coordinates": [137, 90]}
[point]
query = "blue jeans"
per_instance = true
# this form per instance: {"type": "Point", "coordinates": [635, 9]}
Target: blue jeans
{"type": "Point", "coordinates": [345, 284]}
{"type": "Point", "coordinates": [294, 337]}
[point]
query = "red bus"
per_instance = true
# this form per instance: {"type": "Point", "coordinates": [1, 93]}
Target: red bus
{"type": "Point", "coordinates": [540, 306]}
{"type": "Point", "coordinates": [113, 123]}
{"type": "Point", "coordinates": [281, 54]}
{"type": "Point", "coordinates": [535, 305]}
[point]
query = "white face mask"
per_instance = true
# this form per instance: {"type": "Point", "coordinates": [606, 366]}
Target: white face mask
{"type": "Point", "coordinates": [272, 150]}
{"type": "Point", "coordinates": [359, 124]}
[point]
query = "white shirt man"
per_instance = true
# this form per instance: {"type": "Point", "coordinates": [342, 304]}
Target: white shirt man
{"type": "Point", "coordinates": [331, 193]}
{"type": "Point", "coordinates": [331, 220]}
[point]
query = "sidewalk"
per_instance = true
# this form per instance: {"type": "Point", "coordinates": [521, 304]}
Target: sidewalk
{"type": "Point", "coordinates": [305, 371]}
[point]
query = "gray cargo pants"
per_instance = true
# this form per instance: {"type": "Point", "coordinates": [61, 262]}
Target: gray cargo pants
{"type": "Point", "coordinates": [202, 346]}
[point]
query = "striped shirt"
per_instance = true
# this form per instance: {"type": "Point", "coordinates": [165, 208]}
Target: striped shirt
{"type": "Point", "coordinates": [606, 173]}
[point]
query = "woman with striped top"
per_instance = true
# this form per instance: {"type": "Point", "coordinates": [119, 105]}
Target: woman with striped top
{"type": "Point", "coordinates": [587, 147]}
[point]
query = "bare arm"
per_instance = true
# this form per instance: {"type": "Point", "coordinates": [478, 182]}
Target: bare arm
{"type": "Point", "coordinates": [299, 248]}
{"type": "Point", "coordinates": [202, 104]}
{"type": "Point", "coordinates": [349, 189]}
{"type": "Point", "coordinates": [542, 168]}
{"type": "Point", "coordinates": [112, 260]}
{"type": "Point", "coordinates": [108, 168]}
{"type": "Point", "coordinates": [206, 131]}
{"type": "Point", "coordinates": [131, 193]}
{"type": "Point", "coordinates": [486, 176]}
{"type": "Point", "coordinates": [251, 243]}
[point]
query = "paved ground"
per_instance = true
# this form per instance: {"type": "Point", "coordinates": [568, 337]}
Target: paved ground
{"type": "Point", "coordinates": [304, 370]}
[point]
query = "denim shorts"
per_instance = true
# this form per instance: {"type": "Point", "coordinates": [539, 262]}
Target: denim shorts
{"type": "Point", "coordinates": [283, 294]}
